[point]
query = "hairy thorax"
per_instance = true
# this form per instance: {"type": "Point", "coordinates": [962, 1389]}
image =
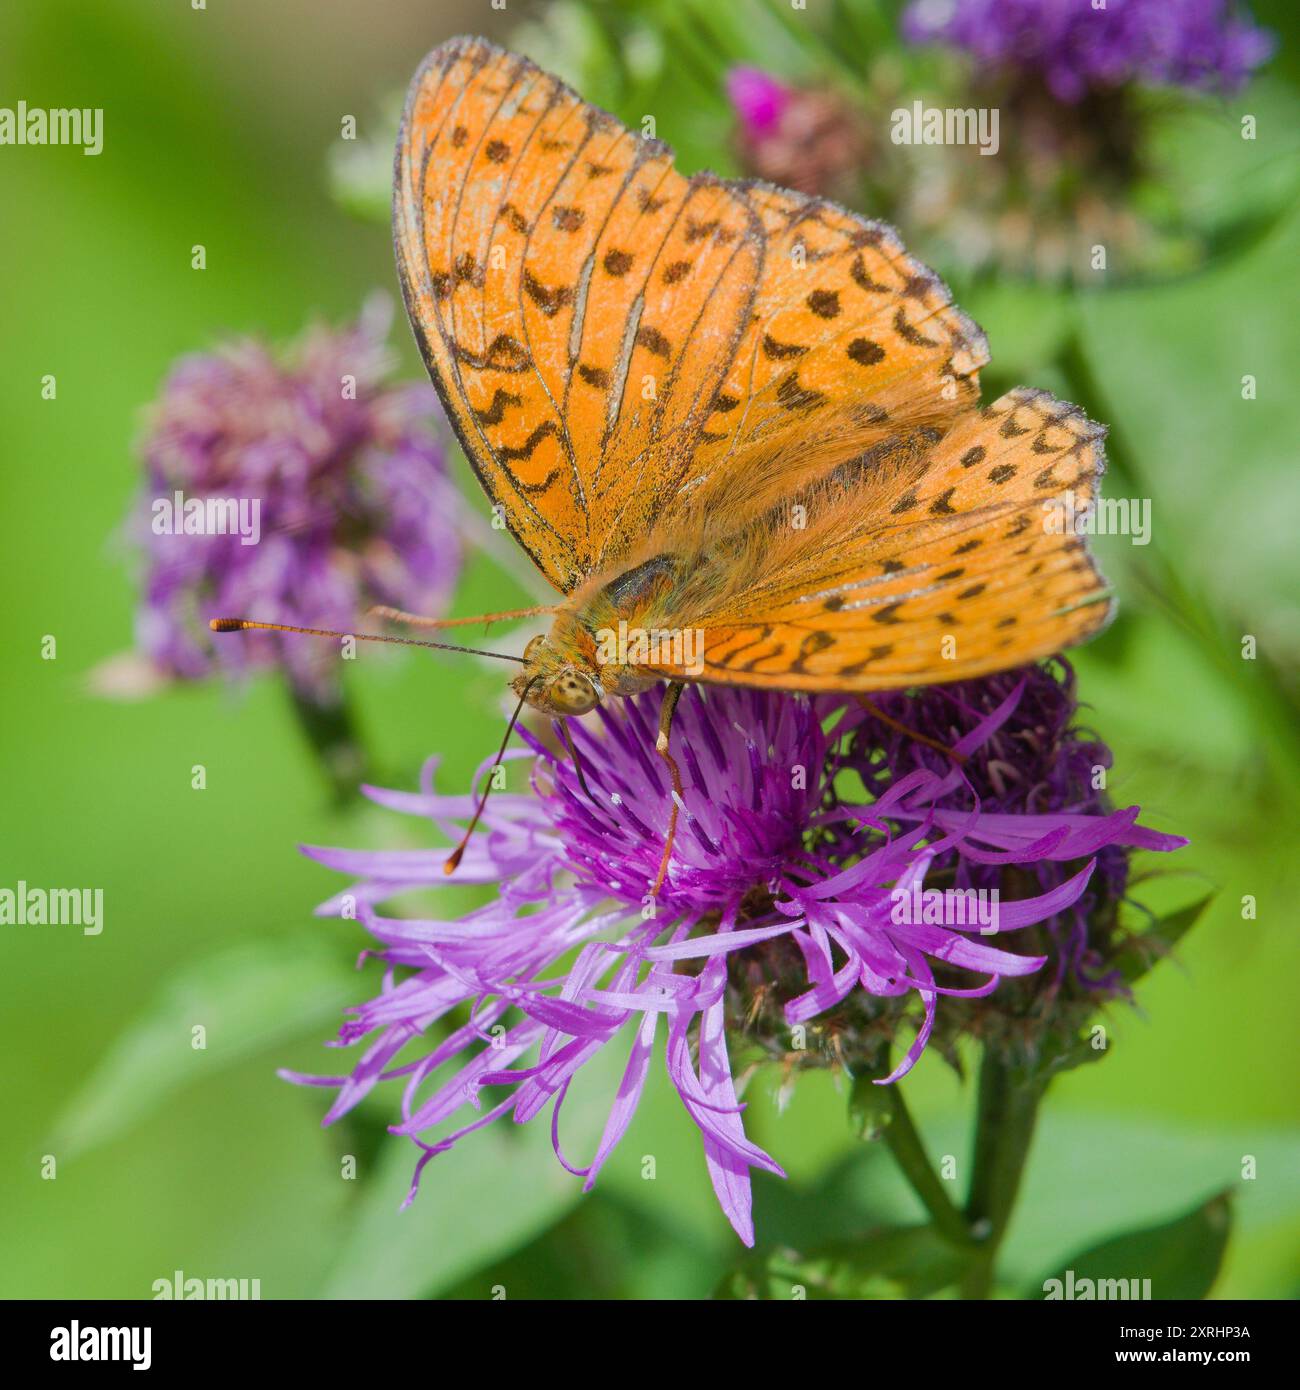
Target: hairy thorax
{"type": "Point", "coordinates": [585, 656]}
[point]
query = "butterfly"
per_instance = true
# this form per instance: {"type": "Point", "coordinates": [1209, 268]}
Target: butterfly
{"type": "Point", "coordinates": [737, 428]}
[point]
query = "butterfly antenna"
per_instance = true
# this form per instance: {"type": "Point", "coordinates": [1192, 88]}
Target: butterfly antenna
{"type": "Point", "coordinates": [452, 862]}
{"type": "Point", "coordinates": [405, 619]}
{"type": "Point", "coordinates": [876, 712]}
{"type": "Point", "coordinates": [248, 625]}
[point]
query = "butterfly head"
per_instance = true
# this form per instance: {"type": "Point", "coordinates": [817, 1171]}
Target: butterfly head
{"type": "Point", "coordinates": [557, 682]}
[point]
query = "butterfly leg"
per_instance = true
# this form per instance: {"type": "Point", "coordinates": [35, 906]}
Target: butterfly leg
{"type": "Point", "coordinates": [666, 711]}
{"type": "Point", "coordinates": [567, 738]}
{"type": "Point", "coordinates": [876, 712]}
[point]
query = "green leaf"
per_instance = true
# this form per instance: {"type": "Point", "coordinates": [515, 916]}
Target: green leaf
{"type": "Point", "coordinates": [1181, 1258]}
{"type": "Point", "coordinates": [902, 1262]}
{"type": "Point", "coordinates": [1077, 1052]}
{"type": "Point", "coordinates": [1221, 184]}
{"type": "Point", "coordinates": [1146, 949]}
{"type": "Point", "coordinates": [247, 999]}
{"type": "Point", "coordinates": [1201, 509]}
{"type": "Point", "coordinates": [1138, 956]}
{"type": "Point", "coordinates": [637, 1257]}
{"type": "Point", "coordinates": [1091, 1174]}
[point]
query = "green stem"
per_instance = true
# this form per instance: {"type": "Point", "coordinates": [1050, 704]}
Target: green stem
{"type": "Point", "coordinates": [1004, 1130]}
{"type": "Point", "coordinates": [882, 1111]}
{"type": "Point", "coordinates": [331, 732]}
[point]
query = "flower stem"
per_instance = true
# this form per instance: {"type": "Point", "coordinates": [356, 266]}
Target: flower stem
{"type": "Point", "coordinates": [882, 1111]}
{"type": "Point", "coordinates": [1004, 1130]}
{"type": "Point", "coordinates": [329, 728]}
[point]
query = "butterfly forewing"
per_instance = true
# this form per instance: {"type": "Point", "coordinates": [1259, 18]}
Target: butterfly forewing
{"type": "Point", "coordinates": [607, 333]}
{"type": "Point", "coordinates": [471, 112]}
{"type": "Point", "coordinates": [842, 314]}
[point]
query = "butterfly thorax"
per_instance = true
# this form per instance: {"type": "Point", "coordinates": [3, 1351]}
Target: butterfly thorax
{"type": "Point", "coordinates": [595, 646]}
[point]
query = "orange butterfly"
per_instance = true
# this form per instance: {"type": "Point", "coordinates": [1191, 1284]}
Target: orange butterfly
{"type": "Point", "coordinates": [737, 428]}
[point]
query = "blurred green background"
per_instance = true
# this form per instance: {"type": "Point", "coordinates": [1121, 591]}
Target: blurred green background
{"type": "Point", "coordinates": [219, 124]}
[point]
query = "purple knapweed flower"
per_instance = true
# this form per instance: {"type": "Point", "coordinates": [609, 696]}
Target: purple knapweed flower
{"type": "Point", "coordinates": [302, 487]}
{"type": "Point", "coordinates": [574, 952]}
{"type": "Point", "coordinates": [758, 99]}
{"type": "Point", "coordinates": [1076, 47]}
{"type": "Point", "coordinates": [1038, 762]}
{"type": "Point", "coordinates": [806, 138]}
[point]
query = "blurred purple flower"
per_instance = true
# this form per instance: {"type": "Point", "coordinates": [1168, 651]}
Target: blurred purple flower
{"type": "Point", "coordinates": [806, 138]}
{"type": "Point", "coordinates": [353, 506]}
{"type": "Point", "coordinates": [758, 99]}
{"type": "Point", "coordinates": [1208, 44]}
{"type": "Point", "coordinates": [766, 852]}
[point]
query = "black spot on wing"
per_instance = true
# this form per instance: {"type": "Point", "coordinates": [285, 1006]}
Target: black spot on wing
{"type": "Point", "coordinates": [495, 413]}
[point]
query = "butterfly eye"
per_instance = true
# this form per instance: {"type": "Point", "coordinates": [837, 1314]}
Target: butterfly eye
{"type": "Point", "coordinates": [530, 649]}
{"type": "Point", "coordinates": [573, 693]}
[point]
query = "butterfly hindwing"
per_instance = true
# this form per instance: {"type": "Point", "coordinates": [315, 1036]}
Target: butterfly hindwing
{"type": "Point", "coordinates": [934, 563]}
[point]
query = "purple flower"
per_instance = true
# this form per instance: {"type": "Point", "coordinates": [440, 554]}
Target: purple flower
{"type": "Point", "coordinates": [1207, 44]}
{"type": "Point", "coordinates": [769, 857]}
{"type": "Point", "coordinates": [301, 488]}
{"type": "Point", "coordinates": [806, 138]}
{"type": "Point", "coordinates": [758, 98]}
{"type": "Point", "coordinates": [1038, 762]}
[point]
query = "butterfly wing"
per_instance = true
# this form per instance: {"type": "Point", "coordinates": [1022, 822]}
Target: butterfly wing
{"type": "Point", "coordinates": [919, 565]}
{"type": "Point", "coordinates": [608, 335]}
{"type": "Point", "coordinates": [844, 321]}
